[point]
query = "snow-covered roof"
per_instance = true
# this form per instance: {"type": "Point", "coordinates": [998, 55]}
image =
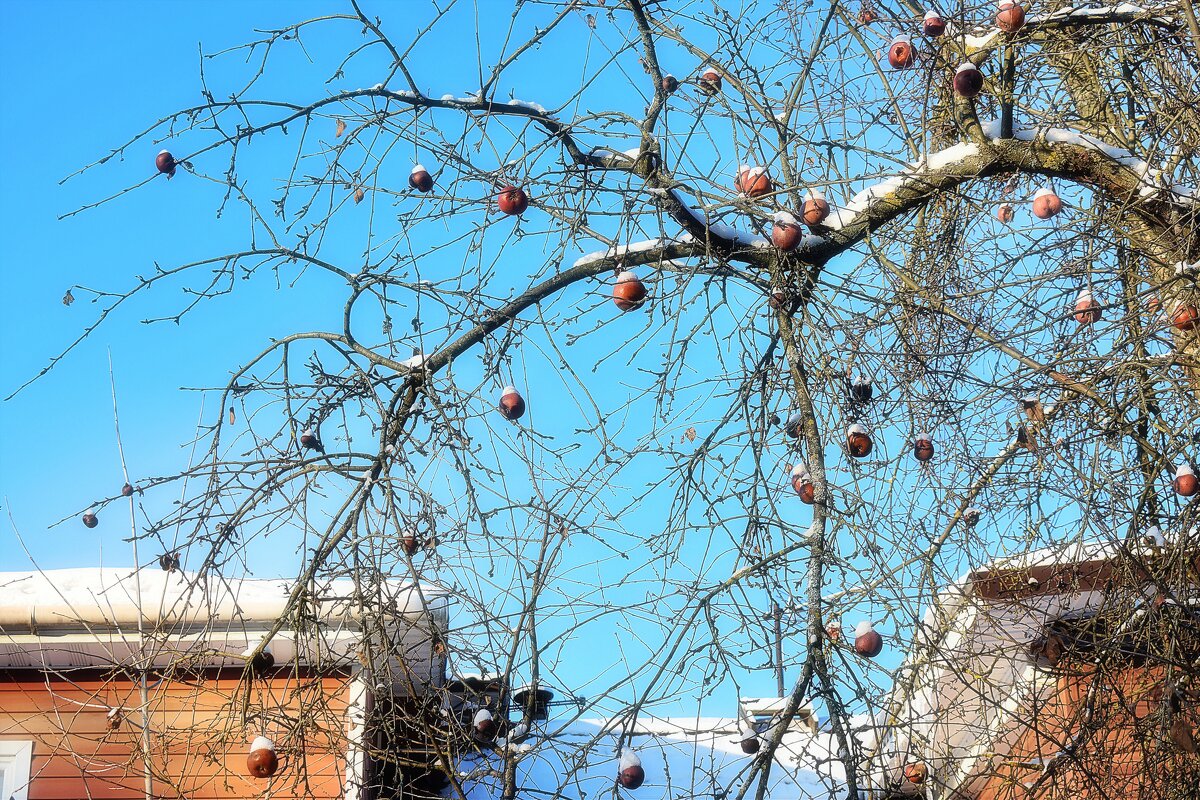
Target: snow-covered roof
{"type": "Point", "coordinates": [116, 597]}
{"type": "Point", "coordinates": [693, 757]}
{"type": "Point", "coordinates": [108, 617]}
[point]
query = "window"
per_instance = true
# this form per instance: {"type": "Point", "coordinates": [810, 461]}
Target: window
{"type": "Point", "coordinates": [14, 769]}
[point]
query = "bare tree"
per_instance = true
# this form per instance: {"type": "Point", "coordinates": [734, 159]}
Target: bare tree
{"type": "Point", "coordinates": [801, 334]}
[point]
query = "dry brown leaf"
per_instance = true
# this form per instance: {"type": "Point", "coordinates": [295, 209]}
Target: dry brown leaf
{"type": "Point", "coordinates": [232, 416]}
{"type": "Point", "coordinates": [690, 434]}
{"type": "Point", "coordinates": [68, 298]}
{"type": "Point", "coordinates": [359, 194]}
{"type": "Point", "coordinates": [341, 127]}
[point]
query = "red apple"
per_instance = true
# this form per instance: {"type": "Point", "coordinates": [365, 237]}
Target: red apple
{"type": "Point", "coordinates": [628, 292]}
{"type": "Point", "coordinates": [409, 542]}
{"type": "Point", "coordinates": [858, 443]}
{"type": "Point", "coordinates": [753, 181]}
{"type": "Point", "coordinates": [750, 743]}
{"type": "Point", "coordinates": [1185, 318]}
{"type": "Point", "coordinates": [1185, 483]}
{"type": "Point", "coordinates": [786, 233]}
{"type": "Point", "coordinates": [816, 208]}
{"type": "Point", "coordinates": [901, 53]}
{"type": "Point", "coordinates": [669, 83]}
{"type": "Point", "coordinates": [90, 520]}
{"type": "Point", "coordinates": [420, 179]}
{"type": "Point", "coordinates": [867, 15]}
{"type": "Point", "coordinates": [127, 490]}
{"type": "Point", "coordinates": [710, 81]}
{"type": "Point", "coordinates": [484, 724]}
{"type": "Point", "coordinates": [916, 773]}
{"type": "Point", "coordinates": [309, 440]}
{"type": "Point", "coordinates": [802, 484]}
{"type": "Point", "coordinates": [1005, 213]}
{"type": "Point", "coordinates": [1010, 17]}
{"type": "Point", "coordinates": [1046, 203]}
{"type": "Point", "coordinates": [968, 80]}
{"type": "Point", "coordinates": [262, 761]}
{"type": "Point", "coordinates": [867, 641]}
{"type": "Point", "coordinates": [512, 201]}
{"type": "Point", "coordinates": [1087, 310]}
{"type": "Point", "coordinates": [923, 447]}
{"type": "Point", "coordinates": [971, 516]}
{"type": "Point", "coordinates": [166, 163]}
{"type": "Point", "coordinates": [512, 405]}
{"type": "Point", "coordinates": [934, 25]}
{"type": "Point", "coordinates": [631, 775]}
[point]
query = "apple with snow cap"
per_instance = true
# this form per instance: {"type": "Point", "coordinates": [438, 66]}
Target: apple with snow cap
{"type": "Point", "coordinates": [1185, 483]}
{"type": "Point", "coordinates": [1010, 17]}
{"type": "Point", "coordinates": [262, 761]}
{"type": "Point", "coordinates": [1046, 203]}
{"type": "Point", "coordinates": [1087, 309]}
{"type": "Point", "coordinates": [933, 25]}
{"type": "Point", "coordinates": [113, 719]}
{"type": "Point", "coordinates": [512, 201]}
{"type": "Point", "coordinates": [816, 208]}
{"type": "Point", "coordinates": [420, 179]}
{"type": "Point", "coordinates": [259, 662]}
{"type": "Point", "coordinates": [309, 440]}
{"type": "Point", "coordinates": [630, 774]}
{"type": "Point", "coordinates": [867, 641]}
{"type": "Point", "coordinates": [971, 516]}
{"type": "Point", "coordinates": [628, 292]}
{"type": "Point", "coordinates": [802, 484]}
{"type": "Point", "coordinates": [90, 520]}
{"type": "Point", "coordinates": [166, 163]}
{"type": "Point", "coordinates": [749, 740]}
{"type": "Point", "coordinates": [710, 81]}
{"type": "Point", "coordinates": [127, 490]}
{"type": "Point", "coordinates": [793, 424]}
{"type": "Point", "coordinates": [409, 542]}
{"type": "Point", "coordinates": [779, 298]}
{"type": "Point", "coordinates": [916, 773]}
{"type": "Point", "coordinates": [169, 562]}
{"type": "Point", "coordinates": [484, 724]}
{"type": "Point", "coordinates": [786, 233]}
{"type": "Point", "coordinates": [669, 83]}
{"type": "Point", "coordinates": [1185, 318]}
{"type": "Point", "coordinates": [861, 389]}
{"type": "Point", "coordinates": [901, 52]}
{"type": "Point", "coordinates": [834, 631]}
{"type": "Point", "coordinates": [858, 443]}
{"type": "Point", "coordinates": [923, 447]}
{"type": "Point", "coordinates": [1005, 212]}
{"type": "Point", "coordinates": [968, 80]}
{"type": "Point", "coordinates": [512, 405]}
{"type": "Point", "coordinates": [753, 182]}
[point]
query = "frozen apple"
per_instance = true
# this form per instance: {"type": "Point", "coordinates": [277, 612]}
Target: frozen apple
{"type": "Point", "coordinates": [901, 53]}
{"type": "Point", "coordinates": [1087, 309]}
{"type": "Point", "coordinates": [420, 179]}
{"type": "Point", "coordinates": [933, 25]}
{"type": "Point", "coordinates": [858, 442]}
{"type": "Point", "coordinates": [166, 163]}
{"type": "Point", "coordinates": [968, 80]}
{"type": "Point", "coordinates": [816, 208]}
{"type": "Point", "coordinates": [628, 292]}
{"type": "Point", "coordinates": [1046, 203]}
{"type": "Point", "coordinates": [512, 405]}
{"type": "Point", "coordinates": [631, 775]}
{"type": "Point", "coordinates": [262, 761]}
{"type": "Point", "coordinates": [867, 641]}
{"type": "Point", "coordinates": [1010, 17]}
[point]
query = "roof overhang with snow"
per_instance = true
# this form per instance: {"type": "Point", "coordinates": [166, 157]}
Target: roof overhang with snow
{"type": "Point", "coordinates": [968, 688]}
{"type": "Point", "coordinates": [106, 618]}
